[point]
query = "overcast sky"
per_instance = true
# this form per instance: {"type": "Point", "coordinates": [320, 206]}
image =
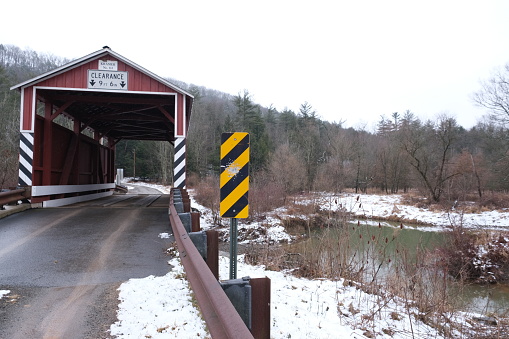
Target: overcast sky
{"type": "Point", "coordinates": [352, 61]}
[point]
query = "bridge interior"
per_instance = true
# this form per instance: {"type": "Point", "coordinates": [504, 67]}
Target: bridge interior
{"type": "Point", "coordinates": [131, 116]}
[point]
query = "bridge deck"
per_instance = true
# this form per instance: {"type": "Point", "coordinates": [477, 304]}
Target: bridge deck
{"type": "Point", "coordinates": [64, 264]}
{"type": "Point", "coordinates": [127, 200]}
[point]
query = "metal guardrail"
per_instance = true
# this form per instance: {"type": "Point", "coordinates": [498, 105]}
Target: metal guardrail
{"type": "Point", "coordinates": [13, 196]}
{"type": "Point", "coordinates": [223, 321]}
{"type": "Point", "coordinates": [121, 189]}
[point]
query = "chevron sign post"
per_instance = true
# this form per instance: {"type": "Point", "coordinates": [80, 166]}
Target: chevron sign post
{"type": "Point", "coordinates": [234, 186]}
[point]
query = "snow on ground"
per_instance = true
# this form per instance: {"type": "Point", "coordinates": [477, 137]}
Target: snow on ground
{"type": "Point", "coordinates": [304, 308]}
{"type": "Point", "coordinates": [161, 307]}
{"type": "Point", "coordinates": [368, 206]}
{"type": "Point", "coordinates": [4, 292]}
{"type": "Point", "coordinates": [160, 188]}
{"type": "Point", "coordinates": [374, 206]}
{"type": "Point", "coordinates": [157, 307]}
{"type": "Point", "coordinates": [391, 206]}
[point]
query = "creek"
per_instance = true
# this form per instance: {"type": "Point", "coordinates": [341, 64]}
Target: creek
{"type": "Point", "coordinates": [375, 250]}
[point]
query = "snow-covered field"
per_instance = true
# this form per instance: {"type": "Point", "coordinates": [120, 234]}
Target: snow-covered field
{"type": "Point", "coordinates": [385, 206]}
{"type": "Point", "coordinates": [160, 307]}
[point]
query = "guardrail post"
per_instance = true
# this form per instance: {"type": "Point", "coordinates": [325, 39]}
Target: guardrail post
{"type": "Point", "coordinates": [186, 200]}
{"type": "Point", "coordinates": [251, 299]}
{"type": "Point", "coordinates": [184, 193]}
{"type": "Point", "coordinates": [239, 291]}
{"type": "Point", "coordinates": [187, 205]}
{"type": "Point", "coordinates": [213, 252]}
{"type": "Point", "coordinates": [260, 312]}
{"type": "Point", "coordinates": [195, 222]}
{"type": "Point", "coordinates": [186, 220]}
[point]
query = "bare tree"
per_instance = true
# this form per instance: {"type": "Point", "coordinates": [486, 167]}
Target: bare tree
{"type": "Point", "coordinates": [9, 132]}
{"type": "Point", "coordinates": [429, 148]}
{"type": "Point", "coordinates": [287, 170]}
{"type": "Point", "coordinates": [164, 161]}
{"type": "Point", "coordinates": [338, 171]}
{"type": "Point", "coordinates": [494, 95]}
{"type": "Point", "coordinates": [473, 175]}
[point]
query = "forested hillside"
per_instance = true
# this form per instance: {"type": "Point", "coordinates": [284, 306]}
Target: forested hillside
{"type": "Point", "coordinates": [298, 151]}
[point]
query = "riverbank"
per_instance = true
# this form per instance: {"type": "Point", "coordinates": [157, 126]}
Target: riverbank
{"type": "Point", "coordinates": [397, 207]}
{"type": "Point", "coordinates": [315, 208]}
{"type": "Point", "coordinates": [312, 308]}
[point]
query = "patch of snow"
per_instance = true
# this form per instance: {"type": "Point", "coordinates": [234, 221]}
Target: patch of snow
{"type": "Point", "coordinates": [4, 292]}
{"type": "Point", "coordinates": [384, 206]}
{"type": "Point", "coordinates": [158, 307]}
{"type": "Point", "coordinates": [319, 308]}
{"type": "Point", "coordinates": [277, 234]}
{"type": "Point", "coordinates": [161, 188]}
{"type": "Point", "coordinates": [206, 215]}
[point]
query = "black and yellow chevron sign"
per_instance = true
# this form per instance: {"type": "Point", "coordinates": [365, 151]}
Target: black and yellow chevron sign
{"type": "Point", "coordinates": [234, 177]}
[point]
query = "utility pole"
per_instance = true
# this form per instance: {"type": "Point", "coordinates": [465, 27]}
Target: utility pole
{"type": "Point", "coordinates": [134, 163]}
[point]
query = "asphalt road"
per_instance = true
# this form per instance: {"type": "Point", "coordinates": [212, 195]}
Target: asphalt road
{"type": "Point", "coordinates": [64, 265]}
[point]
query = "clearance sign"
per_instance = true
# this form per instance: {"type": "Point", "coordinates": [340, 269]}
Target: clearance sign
{"type": "Point", "coordinates": [234, 177]}
{"type": "Point", "coordinates": [112, 80]}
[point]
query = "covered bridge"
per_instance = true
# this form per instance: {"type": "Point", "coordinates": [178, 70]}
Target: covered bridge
{"type": "Point", "coordinates": [106, 98]}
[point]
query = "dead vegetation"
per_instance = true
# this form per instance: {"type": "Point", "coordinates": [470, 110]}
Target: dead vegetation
{"type": "Point", "coordinates": [329, 247]}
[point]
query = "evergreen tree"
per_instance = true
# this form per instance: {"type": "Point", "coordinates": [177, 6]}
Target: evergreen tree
{"type": "Point", "coordinates": [249, 119]}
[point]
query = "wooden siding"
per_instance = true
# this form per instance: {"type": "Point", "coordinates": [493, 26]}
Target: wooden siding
{"type": "Point", "coordinates": [26, 107]}
{"type": "Point", "coordinates": [179, 121]}
{"type": "Point", "coordinates": [85, 167]}
{"type": "Point", "coordinates": [77, 77]}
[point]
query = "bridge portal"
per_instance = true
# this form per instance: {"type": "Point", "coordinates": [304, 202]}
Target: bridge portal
{"type": "Point", "coordinates": [104, 98]}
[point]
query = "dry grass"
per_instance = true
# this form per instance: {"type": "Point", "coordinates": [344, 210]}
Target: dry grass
{"type": "Point", "coordinates": [490, 201]}
{"type": "Point", "coordinates": [340, 251]}
{"type": "Point", "coordinates": [421, 280]}
{"type": "Point", "coordinates": [207, 194]}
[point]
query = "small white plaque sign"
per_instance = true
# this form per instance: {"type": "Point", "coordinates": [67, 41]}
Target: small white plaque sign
{"type": "Point", "coordinates": [108, 65]}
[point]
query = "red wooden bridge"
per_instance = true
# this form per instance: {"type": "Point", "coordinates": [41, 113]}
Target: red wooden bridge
{"type": "Point", "coordinates": [105, 98]}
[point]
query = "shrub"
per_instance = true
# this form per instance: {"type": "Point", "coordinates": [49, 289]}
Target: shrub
{"type": "Point", "coordinates": [476, 258]}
